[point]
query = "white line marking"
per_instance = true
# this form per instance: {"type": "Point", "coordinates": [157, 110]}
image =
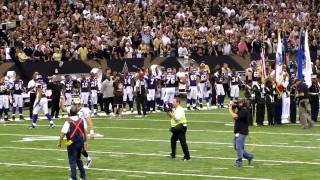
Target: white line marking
{"type": "Point", "coordinates": [191, 130]}
{"type": "Point", "coordinates": [48, 138]}
{"type": "Point", "coordinates": [269, 164]}
{"type": "Point", "coordinates": [280, 143]}
{"type": "Point", "coordinates": [136, 176]}
{"type": "Point", "coordinates": [137, 172]}
{"type": "Point", "coordinates": [301, 141]}
{"type": "Point", "coordinates": [163, 155]}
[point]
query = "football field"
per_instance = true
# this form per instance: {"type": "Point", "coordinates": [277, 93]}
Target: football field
{"type": "Point", "coordinates": [138, 148]}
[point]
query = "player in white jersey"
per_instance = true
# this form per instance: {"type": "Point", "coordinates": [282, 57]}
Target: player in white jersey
{"type": "Point", "coordinates": [4, 98]}
{"type": "Point", "coordinates": [83, 113]}
{"type": "Point", "coordinates": [41, 102]}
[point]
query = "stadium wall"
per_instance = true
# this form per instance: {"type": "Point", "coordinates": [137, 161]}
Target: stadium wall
{"type": "Point", "coordinates": [49, 68]}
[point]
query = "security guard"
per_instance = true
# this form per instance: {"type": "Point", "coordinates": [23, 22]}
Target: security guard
{"type": "Point", "coordinates": [259, 92]}
{"type": "Point", "coordinates": [304, 105]}
{"type": "Point", "coordinates": [178, 129]}
{"type": "Point", "coordinates": [249, 96]}
{"type": "Point", "coordinates": [74, 130]}
{"type": "Point", "coordinates": [314, 98]}
{"type": "Point", "coordinates": [293, 104]}
{"type": "Point", "coordinates": [270, 102]}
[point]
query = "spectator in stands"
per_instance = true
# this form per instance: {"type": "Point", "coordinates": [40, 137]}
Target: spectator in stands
{"type": "Point", "coordinates": [128, 50]}
{"type": "Point", "coordinates": [110, 25]}
{"type": "Point", "coordinates": [57, 54]}
{"type": "Point", "coordinates": [83, 52]}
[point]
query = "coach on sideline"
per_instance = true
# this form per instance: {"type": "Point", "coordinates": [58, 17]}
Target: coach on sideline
{"type": "Point", "coordinates": [241, 130]}
{"type": "Point", "coordinates": [178, 129]}
{"type": "Point", "coordinates": [74, 129]}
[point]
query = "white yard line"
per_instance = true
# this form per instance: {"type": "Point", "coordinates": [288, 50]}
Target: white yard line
{"type": "Point", "coordinates": [190, 130]}
{"type": "Point", "coordinates": [136, 172]}
{"type": "Point", "coordinates": [52, 138]}
{"type": "Point", "coordinates": [161, 155]}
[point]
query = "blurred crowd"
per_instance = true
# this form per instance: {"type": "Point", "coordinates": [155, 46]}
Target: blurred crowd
{"type": "Point", "coordinates": [63, 30]}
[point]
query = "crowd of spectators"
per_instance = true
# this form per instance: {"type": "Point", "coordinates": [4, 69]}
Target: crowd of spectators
{"type": "Point", "coordinates": [62, 30]}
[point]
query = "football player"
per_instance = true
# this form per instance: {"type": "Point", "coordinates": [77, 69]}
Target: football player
{"type": "Point", "coordinates": [17, 90]}
{"type": "Point", "coordinates": [94, 92]}
{"type": "Point", "coordinates": [41, 102]}
{"type": "Point", "coordinates": [204, 86]}
{"type": "Point", "coordinates": [219, 87]}
{"type": "Point", "coordinates": [235, 81]}
{"type": "Point", "coordinates": [192, 88]}
{"type": "Point", "coordinates": [4, 98]}
{"type": "Point", "coordinates": [170, 83]}
{"type": "Point", "coordinates": [128, 90]}
{"type": "Point", "coordinates": [151, 81]}
{"type": "Point", "coordinates": [85, 90]}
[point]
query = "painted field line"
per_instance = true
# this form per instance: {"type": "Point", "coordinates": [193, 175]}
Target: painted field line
{"type": "Point", "coordinates": [190, 130]}
{"type": "Point", "coordinates": [48, 138]}
{"type": "Point", "coordinates": [133, 171]}
{"type": "Point", "coordinates": [164, 155]}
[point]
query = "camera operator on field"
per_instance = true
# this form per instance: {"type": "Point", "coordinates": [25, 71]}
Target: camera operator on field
{"type": "Point", "coordinates": [240, 115]}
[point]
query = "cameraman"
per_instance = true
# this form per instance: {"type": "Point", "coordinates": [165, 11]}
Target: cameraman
{"type": "Point", "coordinates": [178, 129]}
{"type": "Point", "coordinates": [241, 130]}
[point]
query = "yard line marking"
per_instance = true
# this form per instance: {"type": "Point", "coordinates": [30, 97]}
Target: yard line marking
{"type": "Point", "coordinates": [135, 171]}
{"type": "Point", "coordinates": [191, 130]}
{"type": "Point", "coordinates": [280, 143]}
{"type": "Point", "coordinates": [137, 176]}
{"type": "Point", "coordinates": [301, 141]}
{"type": "Point", "coordinates": [269, 164]}
{"type": "Point", "coordinates": [163, 155]}
{"type": "Point", "coordinates": [48, 138]}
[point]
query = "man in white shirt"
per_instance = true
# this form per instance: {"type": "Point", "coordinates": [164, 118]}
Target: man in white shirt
{"type": "Point", "coordinates": [74, 130]}
{"type": "Point", "coordinates": [83, 113]}
{"type": "Point", "coordinates": [32, 90]}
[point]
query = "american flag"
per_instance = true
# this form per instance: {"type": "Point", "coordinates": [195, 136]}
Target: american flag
{"type": "Point", "coordinates": [263, 64]}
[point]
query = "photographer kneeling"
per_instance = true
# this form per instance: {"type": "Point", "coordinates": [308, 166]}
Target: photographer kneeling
{"type": "Point", "coordinates": [240, 115]}
{"type": "Point", "coordinates": [178, 129]}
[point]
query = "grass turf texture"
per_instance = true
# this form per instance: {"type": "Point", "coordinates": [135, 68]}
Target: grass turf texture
{"type": "Point", "coordinates": [136, 148]}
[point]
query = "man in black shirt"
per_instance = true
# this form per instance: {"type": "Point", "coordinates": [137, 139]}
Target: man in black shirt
{"type": "Point", "coordinates": [314, 98]}
{"type": "Point", "coordinates": [241, 130]}
{"type": "Point", "coordinates": [304, 105]}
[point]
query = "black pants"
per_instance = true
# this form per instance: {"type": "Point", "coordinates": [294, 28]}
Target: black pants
{"type": "Point", "coordinates": [179, 134]}
{"type": "Point", "coordinates": [55, 107]}
{"type": "Point", "coordinates": [260, 114]}
{"type": "Point", "coordinates": [293, 109]}
{"type": "Point", "coordinates": [74, 154]}
{"type": "Point", "coordinates": [214, 96]}
{"type": "Point", "coordinates": [100, 101]}
{"type": "Point", "coordinates": [251, 110]}
{"type": "Point", "coordinates": [226, 89]}
{"type": "Point", "coordinates": [141, 102]}
{"type": "Point", "coordinates": [270, 113]}
{"type": "Point", "coordinates": [32, 99]}
{"type": "Point", "coordinates": [106, 104]}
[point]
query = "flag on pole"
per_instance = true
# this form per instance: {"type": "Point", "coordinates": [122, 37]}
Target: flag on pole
{"type": "Point", "coordinates": [279, 60]}
{"type": "Point", "coordinates": [300, 58]}
{"type": "Point", "coordinates": [263, 64]}
{"type": "Point", "coordinates": [308, 66]}
{"type": "Point", "coordinates": [285, 50]}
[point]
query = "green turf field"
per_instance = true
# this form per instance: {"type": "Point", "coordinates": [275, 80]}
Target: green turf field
{"type": "Point", "coordinates": [135, 148]}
